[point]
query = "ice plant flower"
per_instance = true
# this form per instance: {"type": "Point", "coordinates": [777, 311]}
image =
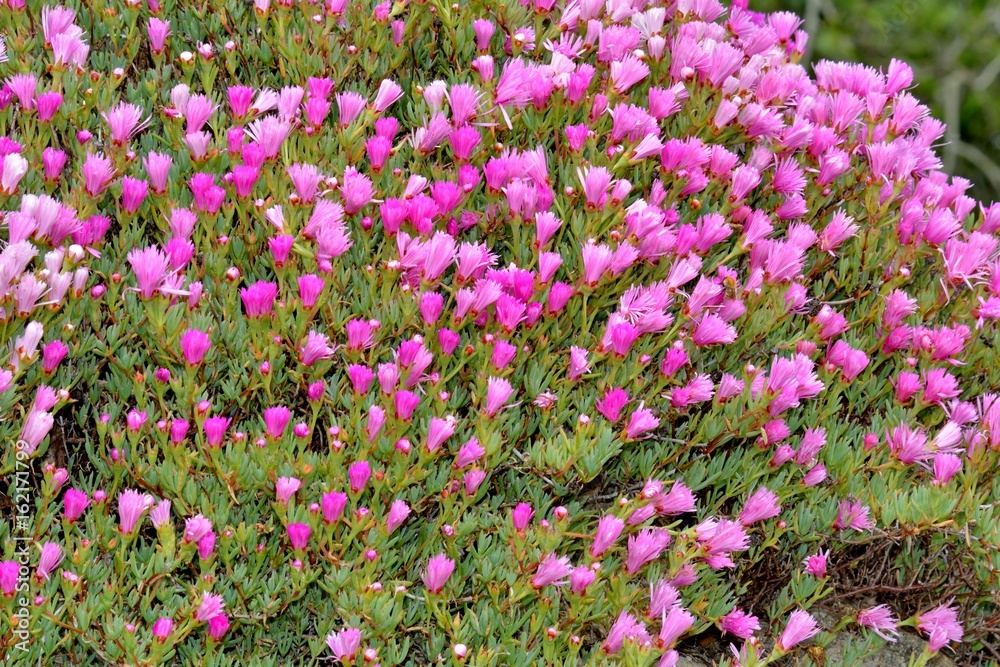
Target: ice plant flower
{"type": "Point", "coordinates": [344, 644]}
{"type": "Point", "coordinates": [131, 506]}
{"type": "Point", "coordinates": [880, 620]}
{"type": "Point", "coordinates": [552, 570]}
{"type": "Point", "coordinates": [942, 621]}
{"type": "Point", "coordinates": [435, 575]}
{"type": "Point", "coordinates": [209, 607]}
{"type": "Point", "coordinates": [800, 627]}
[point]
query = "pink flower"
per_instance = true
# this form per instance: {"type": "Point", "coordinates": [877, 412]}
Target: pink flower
{"type": "Point", "coordinates": [435, 575]}
{"type": "Point", "coordinates": [816, 564]}
{"type": "Point", "coordinates": [881, 620]}
{"type": "Point", "coordinates": [209, 607]}
{"type": "Point", "coordinates": [52, 556]}
{"type": "Point", "coordinates": [498, 392]}
{"type": "Point", "coordinates": [662, 596]}
{"type": "Point", "coordinates": [645, 547]}
{"type": "Point", "coordinates": [801, 626]}
{"type": "Point", "coordinates": [713, 330]}
{"type": "Point", "coordinates": [679, 500]}
{"type": "Point", "coordinates": [158, 32]}
{"type": "Point", "coordinates": [625, 627]}
{"type": "Point", "coordinates": [521, 516]}
{"type": "Point", "coordinates": [398, 512]}
{"type": "Point", "coordinates": [276, 420]}
{"type": "Point", "coordinates": [195, 528]}
{"type": "Point", "coordinates": [552, 570]}
{"type": "Point", "coordinates": [298, 535]}
{"type": "Point", "coordinates": [285, 488]}
{"type": "Point", "coordinates": [124, 121]}
{"type": "Point", "coordinates": [739, 623]}
{"type": "Point", "coordinates": [150, 266]}
{"type": "Point", "coordinates": [580, 579]}
{"type": "Point", "coordinates": [942, 620]}
{"type": "Point", "coordinates": [577, 363]}
{"type": "Point", "coordinates": [316, 348]}
{"type": "Point", "coordinates": [763, 504]}
{"type": "Point", "coordinates": [75, 502]}
{"type": "Point", "coordinates": [358, 475]}
{"type": "Point", "coordinates": [98, 172]}
{"type": "Point", "coordinates": [641, 422]}
{"type": "Point", "coordinates": [258, 299]}
{"type": "Point", "coordinates": [946, 465]}
{"type": "Point", "coordinates": [676, 622]}
{"type": "Point", "coordinates": [194, 345]}
{"type": "Point", "coordinates": [344, 644]}
{"type": "Point", "coordinates": [852, 515]}
{"type": "Point", "coordinates": [131, 505]}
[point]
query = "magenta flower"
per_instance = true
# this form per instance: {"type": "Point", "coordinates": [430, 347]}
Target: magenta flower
{"type": "Point", "coordinates": [52, 556]}
{"type": "Point", "coordinates": [358, 474]}
{"type": "Point", "coordinates": [645, 547]}
{"type": "Point", "coordinates": [344, 644]}
{"type": "Point", "coordinates": [881, 621]}
{"type": "Point", "coordinates": [131, 506]}
{"type": "Point", "coordinates": [162, 628]}
{"type": "Point", "coordinates": [194, 345]}
{"type": "Point", "coordinates": [276, 420]}
{"type": "Point", "coordinates": [9, 570]}
{"type": "Point", "coordinates": [763, 504]}
{"type": "Point", "coordinates": [498, 391]}
{"type": "Point", "coordinates": [298, 535]}
{"type": "Point", "coordinates": [74, 504]}
{"type": "Point", "coordinates": [521, 516]}
{"type": "Point", "coordinates": [436, 574]}
{"type": "Point", "coordinates": [625, 627]}
{"type": "Point", "coordinates": [552, 570]}
{"type": "Point", "coordinates": [218, 626]}
{"type": "Point", "coordinates": [641, 422]}
{"type": "Point", "coordinates": [398, 512]}
{"type": "Point", "coordinates": [258, 299]}
{"type": "Point", "coordinates": [739, 623]}
{"type": "Point", "coordinates": [285, 488]}
{"type": "Point", "coordinates": [816, 564]}
{"type": "Point", "coordinates": [333, 506]}
{"type": "Point", "coordinates": [676, 622]}
{"type": "Point", "coordinates": [215, 430]}
{"type": "Point", "coordinates": [209, 607]}
{"type": "Point", "coordinates": [801, 626]}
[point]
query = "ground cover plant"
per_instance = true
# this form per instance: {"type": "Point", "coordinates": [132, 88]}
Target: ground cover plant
{"type": "Point", "coordinates": [484, 333]}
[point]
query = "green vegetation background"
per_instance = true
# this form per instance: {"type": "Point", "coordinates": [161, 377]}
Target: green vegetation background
{"type": "Point", "coordinates": [954, 49]}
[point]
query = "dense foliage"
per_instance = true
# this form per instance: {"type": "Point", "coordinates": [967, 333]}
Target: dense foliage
{"type": "Point", "coordinates": [486, 333]}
